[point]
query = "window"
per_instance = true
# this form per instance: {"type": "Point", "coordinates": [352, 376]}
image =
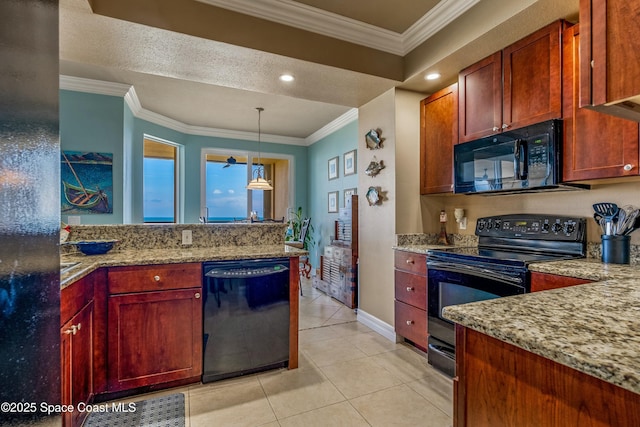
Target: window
{"type": "Point", "coordinates": [160, 189]}
{"type": "Point", "coordinates": [225, 197]}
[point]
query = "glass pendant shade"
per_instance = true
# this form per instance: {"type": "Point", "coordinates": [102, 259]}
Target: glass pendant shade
{"type": "Point", "coordinates": [259, 183]}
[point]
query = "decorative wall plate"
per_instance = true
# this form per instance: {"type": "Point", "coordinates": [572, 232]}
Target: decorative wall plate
{"type": "Point", "coordinates": [373, 139]}
{"type": "Point", "coordinates": [373, 196]}
{"type": "Point", "coordinates": [374, 167]}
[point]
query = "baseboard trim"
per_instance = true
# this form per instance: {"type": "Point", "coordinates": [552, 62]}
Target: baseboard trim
{"type": "Point", "coordinates": [381, 327]}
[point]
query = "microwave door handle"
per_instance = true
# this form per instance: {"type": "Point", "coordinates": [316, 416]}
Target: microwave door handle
{"type": "Point", "coordinates": [520, 166]}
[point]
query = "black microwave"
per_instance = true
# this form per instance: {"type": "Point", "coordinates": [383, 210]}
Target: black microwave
{"type": "Point", "coordinates": [525, 159]}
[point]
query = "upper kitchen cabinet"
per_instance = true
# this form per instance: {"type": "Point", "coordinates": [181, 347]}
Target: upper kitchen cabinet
{"type": "Point", "coordinates": [610, 57]}
{"type": "Point", "coordinates": [438, 134]}
{"type": "Point", "coordinates": [518, 86]}
{"type": "Point", "coordinates": [596, 145]}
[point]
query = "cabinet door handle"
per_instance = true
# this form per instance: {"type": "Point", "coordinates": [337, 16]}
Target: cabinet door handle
{"type": "Point", "coordinates": [505, 126]}
{"type": "Point", "coordinates": [410, 288]}
{"type": "Point", "coordinates": [78, 327]}
{"type": "Point", "coordinates": [156, 278]}
{"type": "Point", "coordinates": [197, 295]}
{"type": "Point", "coordinates": [409, 322]}
{"type": "Point", "coordinates": [72, 330]}
{"type": "Point", "coordinates": [410, 261]}
{"type": "Point", "coordinates": [628, 167]}
{"type": "Point", "coordinates": [495, 128]}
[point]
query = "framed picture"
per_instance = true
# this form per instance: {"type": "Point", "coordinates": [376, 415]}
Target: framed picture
{"type": "Point", "coordinates": [333, 168]}
{"type": "Point", "coordinates": [347, 196]}
{"type": "Point", "coordinates": [350, 162]}
{"type": "Point", "coordinates": [332, 201]}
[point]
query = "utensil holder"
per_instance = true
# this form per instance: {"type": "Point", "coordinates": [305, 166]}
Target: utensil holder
{"type": "Point", "coordinates": [615, 249]}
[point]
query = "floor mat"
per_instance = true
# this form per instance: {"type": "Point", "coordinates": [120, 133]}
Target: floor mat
{"type": "Point", "coordinates": [164, 411]}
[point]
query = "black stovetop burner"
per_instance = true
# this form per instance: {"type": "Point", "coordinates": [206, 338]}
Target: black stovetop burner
{"type": "Point", "coordinates": [520, 239]}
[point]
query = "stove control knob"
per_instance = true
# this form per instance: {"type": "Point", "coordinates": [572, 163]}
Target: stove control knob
{"type": "Point", "coordinates": [481, 225]}
{"type": "Point", "coordinates": [569, 228]}
{"type": "Point", "coordinates": [545, 226]}
{"type": "Point", "coordinates": [489, 225]}
{"type": "Point", "coordinates": [556, 227]}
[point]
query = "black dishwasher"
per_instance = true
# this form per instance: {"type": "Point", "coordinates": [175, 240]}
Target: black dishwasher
{"type": "Point", "coordinates": [245, 316]}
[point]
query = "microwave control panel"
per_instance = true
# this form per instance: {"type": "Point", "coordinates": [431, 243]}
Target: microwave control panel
{"type": "Point", "coordinates": [538, 161]}
{"type": "Point", "coordinates": [544, 227]}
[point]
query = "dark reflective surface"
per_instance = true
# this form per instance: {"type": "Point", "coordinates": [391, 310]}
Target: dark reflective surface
{"type": "Point", "coordinates": [29, 208]}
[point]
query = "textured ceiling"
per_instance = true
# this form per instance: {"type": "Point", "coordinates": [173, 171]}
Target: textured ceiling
{"type": "Point", "coordinates": [210, 65]}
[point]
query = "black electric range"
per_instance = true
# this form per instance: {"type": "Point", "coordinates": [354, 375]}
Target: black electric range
{"type": "Point", "coordinates": [498, 267]}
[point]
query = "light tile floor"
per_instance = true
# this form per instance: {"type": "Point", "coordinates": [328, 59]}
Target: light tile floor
{"type": "Point", "coordinates": [348, 376]}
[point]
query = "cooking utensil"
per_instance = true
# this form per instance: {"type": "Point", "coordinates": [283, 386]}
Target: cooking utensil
{"type": "Point", "coordinates": [608, 211]}
{"type": "Point", "coordinates": [599, 219]}
{"type": "Point", "coordinates": [624, 219]}
{"type": "Point", "coordinates": [630, 222]}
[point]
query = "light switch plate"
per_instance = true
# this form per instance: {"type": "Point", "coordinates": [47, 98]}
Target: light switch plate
{"type": "Point", "coordinates": [187, 237]}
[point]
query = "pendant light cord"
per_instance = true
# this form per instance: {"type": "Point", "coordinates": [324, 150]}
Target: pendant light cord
{"type": "Point", "coordinates": [260, 110]}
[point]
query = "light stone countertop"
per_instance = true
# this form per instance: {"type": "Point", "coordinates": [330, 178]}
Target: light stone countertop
{"type": "Point", "coordinates": [115, 258]}
{"type": "Point", "coordinates": [593, 328]}
{"type": "Point", "coordinates": [422, 249]}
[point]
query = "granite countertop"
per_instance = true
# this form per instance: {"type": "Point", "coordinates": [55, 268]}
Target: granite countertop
{"type": "Point", "coordinates": [87, 264]}
{"type": "Point", "coordinates": [422, 249]}
{"type": "Point", "coordinates": [593, 328]}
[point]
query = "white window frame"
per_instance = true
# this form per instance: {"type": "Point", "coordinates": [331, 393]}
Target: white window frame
{"type": "Point", "coordinates": [251, 156]}
{"type": "Point", "coordinates": [179, 175]}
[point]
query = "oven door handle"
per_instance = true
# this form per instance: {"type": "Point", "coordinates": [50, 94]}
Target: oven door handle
{"type": "Point", "coordinates": [473, 271]}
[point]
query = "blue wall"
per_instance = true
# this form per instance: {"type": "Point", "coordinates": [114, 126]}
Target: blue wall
{"type": "Point", "coordinates": [90, 122]}
{"type": "Point", "coordinates": [336, 144]}
{"type": "Point", "coordinates": [95, 123]}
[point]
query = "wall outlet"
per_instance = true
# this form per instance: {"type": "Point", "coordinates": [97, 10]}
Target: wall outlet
{"type": "Point", "coordinates": [187, 237]}
{"type": "Point", "coordinates": [74, 220]}
{"type": "Point", "coordinates": [463, 223]}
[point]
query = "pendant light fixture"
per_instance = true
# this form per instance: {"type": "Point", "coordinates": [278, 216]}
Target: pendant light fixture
{"type": "Point", "coordinates": [259, 183]}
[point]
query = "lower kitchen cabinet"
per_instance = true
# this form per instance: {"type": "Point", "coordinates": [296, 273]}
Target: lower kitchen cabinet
{"type": "Point", "coordinates": [155, 325]}
{"type": "Point", "coordinates": [76, 348]}
{"type": "Point", "coordinates": [545, 281]}
{"type": "Point", "coordinates": [411, 297]}
{"type": "Point", "coordinates": [500, 385]}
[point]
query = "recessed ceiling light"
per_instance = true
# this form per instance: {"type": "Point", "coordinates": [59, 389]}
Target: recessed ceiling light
{"type": "Point", "coordinates": [432, 76]}
{"type": "Point", "coordinates": [287, 78]}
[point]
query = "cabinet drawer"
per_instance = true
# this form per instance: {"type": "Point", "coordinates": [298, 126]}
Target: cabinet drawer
{"type": "Point", "coordinates": [154, 277]}
{"type": "Point", "coordinates": [411, 289]}
{"type": "Point", "coordinates": [411, 323]}
{"type": "Point", "coordinates": [412, 262]}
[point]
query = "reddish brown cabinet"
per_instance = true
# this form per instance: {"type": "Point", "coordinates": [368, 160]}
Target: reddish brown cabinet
{"type": "Point", "coordinates": [411, 297]}
{"type": "Point", "coordinates": [545, 281]}
{"type": "Point", "coordinates": [596, 145]}
{"type": "Point", "coordinates": [77, 347]}
{"type": "Point", "coordinates": [518, 86]}
{"type": "Point", "coordinates": [609, 56]}
{"type": "Point", "coordinates": [155, 325]}
{"type": "Point", "coordinates": [501, 385]}
{"type": "Point", "coordinates": [438, 134]}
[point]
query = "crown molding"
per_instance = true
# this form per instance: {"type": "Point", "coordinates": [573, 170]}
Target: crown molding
{"type": "Point", "coordinates": [436, 19]}
{"type": "Point", "coordinates": [99, 87]}
{"type": "Point", "coordinates": [333, 126]}
{"type": "Point", "coordinates": [308, 18]}
{"type": "Point", "coordinates": [128, 92]}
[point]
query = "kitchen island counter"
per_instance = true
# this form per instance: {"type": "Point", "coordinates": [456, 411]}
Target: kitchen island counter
{"type": "Point", "coordinates": [593, 328]}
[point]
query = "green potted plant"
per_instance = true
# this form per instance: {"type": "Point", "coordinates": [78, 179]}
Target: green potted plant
{"type": "Point", "coordinates": [296, 220]}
